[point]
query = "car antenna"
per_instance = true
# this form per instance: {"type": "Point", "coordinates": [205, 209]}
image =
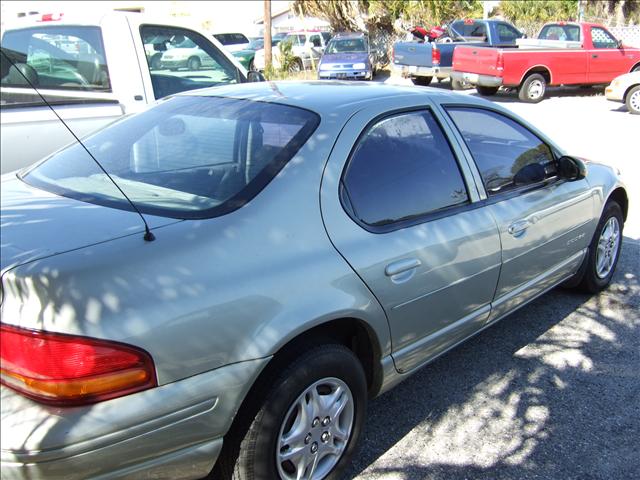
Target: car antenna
{"type": "Point", "coordinates": [148, 234]}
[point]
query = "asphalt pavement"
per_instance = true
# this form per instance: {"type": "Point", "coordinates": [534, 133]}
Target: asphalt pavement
{"type": "Point", "coordinates": [553, 390]}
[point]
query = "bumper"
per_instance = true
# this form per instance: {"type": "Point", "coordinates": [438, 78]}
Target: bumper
{"type": "Point", "coordinates": [174, 431]}
{"type": "Point", "coordinates": [477, 79]}
{"type": "Point", "coordinates": [344, 74]}
{"type": "Point", "coordinates": [173, 63]}
{"type": "Point", "coordinates": [614, 94]}
{"type": "Point", "coordinates": [407, 71]}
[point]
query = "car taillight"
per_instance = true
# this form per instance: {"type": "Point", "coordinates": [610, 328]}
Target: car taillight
{"type": "Point", "coordinates": [435, 56]}
{"type": "Point", "coordinates": [71, 370]}
{"type": "Point", "coordinates": [500, 62]}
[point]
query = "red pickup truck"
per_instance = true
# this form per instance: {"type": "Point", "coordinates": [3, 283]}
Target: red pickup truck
{"type": "Point", "coordinates": [563, 54]}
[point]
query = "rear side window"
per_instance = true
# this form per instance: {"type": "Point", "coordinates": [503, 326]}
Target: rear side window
{"type": "Point", "coordinates": [471, 29]}
{"type": "Point", "coordinates": [560, 32]}
{"type": "Point", "coordinates": [188, 157]}
{"type": "Point", "coordinates": [506, 153]}
{"type": "Point", "coordinates": [61, 58]}
{"type": "Point", "coordinates": [402, 169]}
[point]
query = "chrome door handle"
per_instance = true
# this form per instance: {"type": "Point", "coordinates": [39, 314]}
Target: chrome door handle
{"type": "Point", "coordinates": [594, 56]}
{"type": "Point", "coordinates": [518, 228]}
{"type": "Point", "coordinates": [401, 266]}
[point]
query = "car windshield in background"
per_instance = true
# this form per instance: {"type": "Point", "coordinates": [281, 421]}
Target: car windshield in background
{"type": "Point", "coordinates": [189, 157]}
{"type": "Point", "coordinates": [57, 57]}
{"type": "Point", "coordinates": [346, 45]}
{"type": "Point", "coordinates": [560, 32]}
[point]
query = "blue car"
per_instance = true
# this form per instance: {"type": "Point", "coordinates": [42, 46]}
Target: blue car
{"type": "Point", "coordinates": [347, 57]}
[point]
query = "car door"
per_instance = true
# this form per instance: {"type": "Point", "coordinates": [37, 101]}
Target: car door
{"type": "Point", "coordinates": [397, 207]}
{"type": "Point", "coordinates": [606, 60]}
{"type": "Point", "coordinates": [545, 222]}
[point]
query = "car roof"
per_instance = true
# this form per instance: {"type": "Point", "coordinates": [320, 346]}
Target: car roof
{"type": "Point", "coordinates": [329, 97]}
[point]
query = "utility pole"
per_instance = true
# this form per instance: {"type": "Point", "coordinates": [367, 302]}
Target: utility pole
{"type": "Point", "coordinates": [267, 35]}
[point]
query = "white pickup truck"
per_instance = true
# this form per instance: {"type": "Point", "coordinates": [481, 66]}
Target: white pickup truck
{"type": "Point", "coordinates": [93, 70]}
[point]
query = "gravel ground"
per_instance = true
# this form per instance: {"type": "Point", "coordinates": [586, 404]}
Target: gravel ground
{"type": "Point", "coordinates": [552, 391]}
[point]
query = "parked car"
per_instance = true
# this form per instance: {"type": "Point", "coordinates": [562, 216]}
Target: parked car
{"type": "Point", "coordinates": [626, 89]}
{"type": "Point", "coordinates": [422, 61]}
{"type": "Point", "coordinates": [187, 55]}
{"type": "Point", "coordinates": [246, 56]}
{"type": "Point", "coordinates": [115, 71]}
{"type": "Point", "coordinates": [233, 42]}
{"type": "Point", "coordinates": [310, 239]}
{"type": "Point", "coordinates": [348, 56]}
{"type": "Point", "coordinates": [564, 53]}
{"type": "Point", "coordinates": [306, 46]}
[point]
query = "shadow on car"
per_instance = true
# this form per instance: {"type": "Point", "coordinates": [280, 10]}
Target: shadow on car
{"type": "Point", "coordinates": [521, 397]}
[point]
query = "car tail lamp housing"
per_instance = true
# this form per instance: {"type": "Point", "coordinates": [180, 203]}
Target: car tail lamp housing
{"type": "Point", "coordinates": [65, 369]}
{"type": "Point", "coordinates": [500, 62]}
{"type": "Point", "coordinates": [435, 56]}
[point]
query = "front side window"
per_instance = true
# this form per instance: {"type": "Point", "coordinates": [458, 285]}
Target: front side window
{"type": "Point", "coordinates": [506, 33]}
{"type": "Point", "coordinates": [507, 154]}
{"type": "Point", "coordinates": [602, 39]}
{"type": "Point", "coordinates": [189, 157]}
{"type": "Point", "coordinates": [180, 60]}
{"type": "Point", "coordinates": [402, 169]}
{"type": "Point", "coordinates": [61, 58]}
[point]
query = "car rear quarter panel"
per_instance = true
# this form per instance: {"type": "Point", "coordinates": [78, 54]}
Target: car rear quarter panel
{"type": "Point", "coordinates": [211, 292]}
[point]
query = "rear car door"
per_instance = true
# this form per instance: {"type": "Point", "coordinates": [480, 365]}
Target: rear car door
{"type": "Point", "coordinates": [545, 222]}
{"type": "Point", "coordinates": [398, 208]}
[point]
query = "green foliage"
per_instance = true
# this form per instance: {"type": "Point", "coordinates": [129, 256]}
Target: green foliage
{"type": "Point", "coordinates": [517, 11]}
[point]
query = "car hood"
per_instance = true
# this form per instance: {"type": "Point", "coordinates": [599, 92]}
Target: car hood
{"type": "Point", "coordinates": [37, 224]}
{"type": "Point", "coordinates": [345, 58]}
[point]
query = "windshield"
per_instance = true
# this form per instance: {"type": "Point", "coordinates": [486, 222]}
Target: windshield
{"type": "Point", "coordinates": [347, 45]}
{"type": "Point", "coordinates": [188, 157]}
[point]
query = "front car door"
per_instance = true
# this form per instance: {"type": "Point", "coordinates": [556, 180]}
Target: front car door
{"type": "Point", "coordinates": [545, 222]}
{"type": "Point", "coordinates": [398, 206]}
{"type": "Point", "coordinates": [606, 60]}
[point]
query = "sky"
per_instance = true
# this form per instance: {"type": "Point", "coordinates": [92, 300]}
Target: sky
{"type": "Point", "coordinates": [219, 16]}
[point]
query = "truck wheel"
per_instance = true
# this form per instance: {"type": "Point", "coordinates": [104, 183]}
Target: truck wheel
{"type": "Point", "coordinates": [194, 63]}
{"type": "Point", "coordinates": [486, 91]}
{"type": "Point", "coordinates": [308, 424]}
{"type": "Point", "coordinates": [421, 81]}
{"type": "Point", "coordinates": [457, 84]}
{"type": "Point", "coordinates": [603, 253]}
{"type": "Point", "coordinates": [533, 88]}
{"type": "Point", "coordinates": [633, 100]}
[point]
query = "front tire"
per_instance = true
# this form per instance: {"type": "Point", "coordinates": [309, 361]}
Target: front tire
{"type": "Point", "coordinates": [633, 100]}
{"type": "Point", "coordinates": [486, 91]}
{"type": "Point", "coordinates": [309, 424]}
{"type": "Point", "coordinates": [604, 250]}
{"type": "Point", "coordinates": [422, 81]}
{"type": "Point", "coordinates": [533, 88]}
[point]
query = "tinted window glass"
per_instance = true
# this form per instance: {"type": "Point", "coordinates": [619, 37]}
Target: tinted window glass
{"type": "Point", "coordinates": [602, 39]}
{"type": "Point", "coordinates": [471, 29]}
{"type": "Point", "coordinates": [503, 149]}
{"type": "Point", "coordinates": [507, 33]}
{"type": "Point", "coordinates": [189, 157]}
{"type": "Point", "coordinates": [346, 45]}
{"type": "Point", "coordinates": [181, 60]}
{"type": "Point", "coordinates": [560, 32]}
{"type": "Point", "coordinates": [402, 168]}
{"type": "Point", "coordinates": [65, 58]}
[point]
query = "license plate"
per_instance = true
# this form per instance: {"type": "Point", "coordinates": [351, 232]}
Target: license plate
{"type": "Point", "coordinates": [341, 75]}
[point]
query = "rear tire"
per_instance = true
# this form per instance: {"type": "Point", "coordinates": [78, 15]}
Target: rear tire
{"type": "Point", "coordinates": [194, 64]}
{"type": "Point", "coordinates": [290, 422]}
{"type": "Point", "coordinates": [604, 250]}
{"type": "Point", "coordinates": [632, 100]}
{"type": "Point", "coordinates": [422, 81]}
{"type": "Point", "coordinates": [486, 91]}
{"type": "Point", "coordinates": [533, 88]}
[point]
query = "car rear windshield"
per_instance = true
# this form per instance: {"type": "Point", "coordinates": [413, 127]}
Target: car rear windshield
{"type": "Point", "coordinates": [189, 157]}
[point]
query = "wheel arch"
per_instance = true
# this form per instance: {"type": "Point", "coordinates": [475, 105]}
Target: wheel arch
{"type": "Point", "coordinates": [620, 196]}
{"type": "Point", "coordinates": [637, 65]}
{"type": "Point", "coordinates": [626, 92]}
{"type": "Point", "coordinates": [542, 70]}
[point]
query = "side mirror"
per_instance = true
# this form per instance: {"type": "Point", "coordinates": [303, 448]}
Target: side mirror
{"type": "Point", "coordinates": [255, 76]}
{"type": "Point", "coordinates": [571, 168]}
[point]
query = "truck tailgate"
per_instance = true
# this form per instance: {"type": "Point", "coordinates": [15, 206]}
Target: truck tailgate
{"type": "Point", "coordinates": [480, 60]}
{"type": "Point", "coordinates": [412, 54]}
